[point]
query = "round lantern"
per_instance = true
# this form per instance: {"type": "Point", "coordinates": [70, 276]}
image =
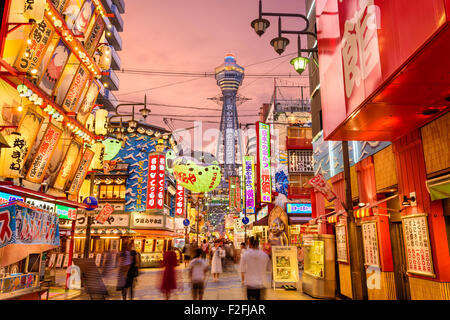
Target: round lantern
{"type": "Point", "coordinates": [103, 57]}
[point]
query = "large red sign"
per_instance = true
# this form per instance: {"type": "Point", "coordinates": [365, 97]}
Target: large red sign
{"type": "Point", "coordinates": [152, 181]}
{"type": "Point", "coordinates": [179, 203]}
{"type": "Point", "coordinates": [370, 71]}
{"type": "Point", "coordinates": [156, 175]}
{"type": "Point", "coordinates": [104, 213]}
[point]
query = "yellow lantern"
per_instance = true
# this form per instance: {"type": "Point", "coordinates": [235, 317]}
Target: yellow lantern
{"type": "Point", "coordinates": [103, 57]}
{"type": "Point", "coordinates": [90, 122]}
{"type": "Point", "coordinates": [101, 122]}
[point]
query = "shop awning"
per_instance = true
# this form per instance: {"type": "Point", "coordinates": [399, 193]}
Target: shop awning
{"type": "Point", "coordinates": [8, 187]}
{"type": "Point", "coordinates": [158, 233]}
{"type": "Point", "coordinates": [439, 188]}
{"type": "Point", "coordinates": [334, 218]}
{"type": "Point", "coordinates": [299, 220]}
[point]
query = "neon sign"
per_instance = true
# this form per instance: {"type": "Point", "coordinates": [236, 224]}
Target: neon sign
{"type": "Point", "coordinates": [264, 162]}
{"type": "Point", "coordinates": [249, 182]}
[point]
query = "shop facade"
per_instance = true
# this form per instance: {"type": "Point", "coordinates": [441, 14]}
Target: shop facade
{"type": "Point", "coordinates": [399, 186]}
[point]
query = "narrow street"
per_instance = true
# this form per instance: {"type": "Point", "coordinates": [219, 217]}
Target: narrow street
{"type": "Point", "coordinates": [229, 287]}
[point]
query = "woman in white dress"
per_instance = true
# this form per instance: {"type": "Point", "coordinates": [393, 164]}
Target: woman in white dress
{"type": "Point", "coordinates": [216, 263]}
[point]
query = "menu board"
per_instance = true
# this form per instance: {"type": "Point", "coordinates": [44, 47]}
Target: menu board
{"type": "Point", "coordinates": [285, 264]}
{"type": "Point", "coordinates": [341, 243]}
{"type": "Point", "coordinates": [314, 260]}
{"type": "Point", "coordinates": [370, 240]}
{"type": "Point", "coordinates": [417, 242]}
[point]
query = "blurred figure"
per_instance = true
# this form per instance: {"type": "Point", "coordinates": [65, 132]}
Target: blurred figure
{"type": "Point", "coordinates": [205, 248]}
{"type": "Point", "coordinates": [241, 272]}
{"type": "Point", "coordinates": [197, 273]}
{"type": "Point", "coordinates": [124, 262]}
{"type": "Point", "coordinates": [255, 268]}
{"type": "Point", "coordinates": [132, 273]}
{"type": "Point", "coordinates": [216, 264]}
{"type": "Point", "coordinates": [186, 253]}
{"type": "Point", "coordinates": [169, 283]}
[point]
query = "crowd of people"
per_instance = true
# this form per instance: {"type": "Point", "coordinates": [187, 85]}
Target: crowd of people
{"type": "Point", "coordinates": [214, 258]}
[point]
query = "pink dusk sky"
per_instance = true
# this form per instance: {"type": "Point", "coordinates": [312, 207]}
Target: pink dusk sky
{"type": "Point", "coordinates": [195, 36]}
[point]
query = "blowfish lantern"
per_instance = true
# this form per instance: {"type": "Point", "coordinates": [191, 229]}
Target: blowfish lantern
{"type": "Point", "coordinates": [197, 171]}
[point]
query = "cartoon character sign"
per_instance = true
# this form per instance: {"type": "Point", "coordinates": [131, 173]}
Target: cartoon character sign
{"type": "Point", "coordinates": [84, 17]}
{"type": "Point", "coordinates": [278, 222]}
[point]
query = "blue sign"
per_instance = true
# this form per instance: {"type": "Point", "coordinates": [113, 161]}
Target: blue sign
{"type": "Point", "coordinates": [298, 208]}
{"type": "Point", "coordinates": [6, 198]}
{"type": "Point", "coordinates": [245, 220]}
{"type": "Point", "coordinates": [186, 222]}
{"type": "Point", "coordinates": [91, 202]}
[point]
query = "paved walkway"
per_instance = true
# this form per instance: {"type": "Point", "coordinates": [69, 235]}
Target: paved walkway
{"type": "Point", "coordinates": [229, 287]}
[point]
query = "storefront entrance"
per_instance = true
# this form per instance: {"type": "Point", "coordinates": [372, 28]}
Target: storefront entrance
{"type": "Point", "coordinates": [399, 258]}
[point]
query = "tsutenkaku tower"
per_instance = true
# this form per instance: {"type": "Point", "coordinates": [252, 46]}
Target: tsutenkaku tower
{"type": "Point", "coordinates": [229, 151]}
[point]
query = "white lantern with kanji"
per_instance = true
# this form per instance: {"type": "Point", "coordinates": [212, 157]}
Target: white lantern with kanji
{"type": "Point", "coordinates": [101, 122]}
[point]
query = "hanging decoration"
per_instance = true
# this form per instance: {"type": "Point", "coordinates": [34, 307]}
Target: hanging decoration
{"type": "Point", "coordinates": [12, 158]}
{"type": "Point", "coordinates": [101, 122]}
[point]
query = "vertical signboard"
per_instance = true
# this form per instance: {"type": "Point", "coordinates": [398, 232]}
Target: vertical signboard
{"type": "Point", "coordinates": [249, 183]}
{"type": "Point", "coordinates": [88, 102]}
{"type": "Point", "coordinates": [179, 206]}
{"type": "Point", "coordinates": [54, 68]}
{"type": "Point", "coordinates": [81, 172]}
{"type": "Point", "coordinates": [341, 243]}
{"type": "Point", "coordinates": [59, 5]}
{"type": "Point", "coordinates": [43, 155]}
{"type": "Point", "coordinates": [232, 193]}
{"type": "Point", "coordinates": [31, 55]}
{"type": "Point", "coordinates": [75, 89]}
{"type": "Point", "coordinates": [152, 181]}
{"type": "Point", "coordinates": [417, 242]}
{"type": "Point", "coordinates": [370, 241]}
{"type": "Point", "coordinates": [161, 182]}
{"type": "Point", "coordinates": [237, 183]}
{"type": "Point", "coordinates": [265, 181]}
{"type": "Point", "coordinates": [94, 37]}
{"type": "Point", "coordinates": [68, 165]}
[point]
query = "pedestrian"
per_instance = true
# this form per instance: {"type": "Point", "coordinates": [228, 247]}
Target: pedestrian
{"type": "Point", "coordinates": [205, 248]}
{"type": "Point", "coordinates": [255, 268]}
{"type": "Point", "coordinates": [198, 268]}
{"type": "Point", "coordinates": [169, 282]}
{"type": "Point", "coordinates": [132, 273]}
{"type": "Point", "coordinates": [241, 272]}
{"type": "Point", "coordinates": [124, 261]}
{"type": "Point", "coordinates": [186, 253]}
{"type": "Point", "coordinates": [216, 264]}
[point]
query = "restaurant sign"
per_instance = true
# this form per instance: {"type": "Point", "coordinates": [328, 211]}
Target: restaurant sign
{"type": "Point", "coordinates": [179, 204]}
{"type": "Point", "coordinates": [370, 242]}
{"type": "Point", "coordinates": [145, 221]}
{"type": "Point", "coordinates": [249, 176]}
{"type": "Point", "coordinates": [263, 136]}
{"type": "Point", "coordinates": [81, 172]}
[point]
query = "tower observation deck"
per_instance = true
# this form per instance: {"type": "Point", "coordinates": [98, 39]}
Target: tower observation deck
{"type": "Point", "coordinates": [229, 77]}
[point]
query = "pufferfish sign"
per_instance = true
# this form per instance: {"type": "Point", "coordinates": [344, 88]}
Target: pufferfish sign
{"type": "Point", "coordinates": [197, 171]}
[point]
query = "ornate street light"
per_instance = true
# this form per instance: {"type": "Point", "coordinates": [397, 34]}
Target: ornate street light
{"type": "Point", "coordinates": [280, 43]}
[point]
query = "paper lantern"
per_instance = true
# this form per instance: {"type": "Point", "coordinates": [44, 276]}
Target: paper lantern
{"type": "Point", "coordinates": [11, 159]}
{"type": "Point", "coordinates": [101, 122]}
{"type": "Point", "coordinates": [112, 148]}
{"type": "Point", "coordinates": [33, 10]}
{"type": "Point", "coordinates": [90, 123]}
{"type": "Point", "coordinates": [103, 57]}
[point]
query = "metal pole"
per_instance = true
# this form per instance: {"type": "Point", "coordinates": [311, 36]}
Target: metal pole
{"type": "Point", "coordinates": [72, 240]}
{"type": "Point", "coordinates": [358, 276]}
{"type": "Point", "coordinates": [198, 214]}
{"type": "Point", "coordinates": [87, 244]}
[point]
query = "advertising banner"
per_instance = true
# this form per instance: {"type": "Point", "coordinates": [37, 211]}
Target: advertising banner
{"type": "Point", "coordinates": [104, 213]}
{"type": "Point", "coordinates": [299, 208]}
{"type": "Point", "coordinates": [84, 17]}
{"type": "Point", "coordinates": [59, 5]}
{"type": "Point", "coordinates": [29, 128]}
{"type": "Point", "coordinates": [249, 183]}
{"type": "Point", "coordinates": [81, 172]}
{"type": "Point", "coordinates": [54, 68]}
{"type": "Point", "coordinates": [417, 242]}
{"type": "Point", "coordinates": [94, 37]}
{"type": "Point", "coordinates": [179, 206]}
{"type": "Point", "coordinates": [341, 243]}
{"type": "Point", "coordinates": [88, 102]}
{"type": "Point", "coordinates": [67, 213]}
{"type": "Point", "coordinates": [68, 166]}
{"type": "Point", "coordinates": [263, 136]}
{"type": "Point", "coordinates": [31, 55]}
{"type": "Point", "coordinates": [43, 155]}
{"type": "Point", "coordinates": [147, 221]}
{"type": "Point", "coordinates": [20, 224]}
{"type": "Point", "coordinates": [161, 182]}
{"type": "Point", "coordinates": [115, 220]}
{"type": "Point", "coordinates": [12, 159]}
{"type": "Point", "coordinates": [285, 265]}
{"type": "Point", "coordinates": [370, 241]}
{"type": "Point", "coordinates": [319, 183]}
{"type": "Point", "coordinates": [152, 181]}
{"type": "Point", "coordinates": [75, 89]}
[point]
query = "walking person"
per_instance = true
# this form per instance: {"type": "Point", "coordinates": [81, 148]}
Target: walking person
{"type": "Point", "coordinates": [241, 272]}
{"type": "Point", "coordinates": [186, 254]}
{"type": "Point", "coordinates": [205, 248]}
{"type": "Point", "coordinates": [169, 283]}
{"type": "Point", "coordinates": [132, 273]}
{"type": "Point", "coordinates": [124, 261]}
{"type": "Point", "coordinates": [256, 267]}
{"type": "Point", "coordinates": [198, 268]}
{"type": "Point", "coordinates": [216, 263]}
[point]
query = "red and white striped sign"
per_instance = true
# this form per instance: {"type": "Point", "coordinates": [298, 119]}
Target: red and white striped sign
{"type": "Point", "coordinates": [152, 181]}
{"type": "Point", "coordinates": [179, 205]}
{"type": "Point", "coordinates": [161, 181]}
{"type": "Point", "coordinates": [105, 213]}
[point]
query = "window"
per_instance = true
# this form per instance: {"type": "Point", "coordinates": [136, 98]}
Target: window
{"type": "Point", "coordinates": [112, 191]}
{"type": "Point", "coordinates": [300, 161]}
